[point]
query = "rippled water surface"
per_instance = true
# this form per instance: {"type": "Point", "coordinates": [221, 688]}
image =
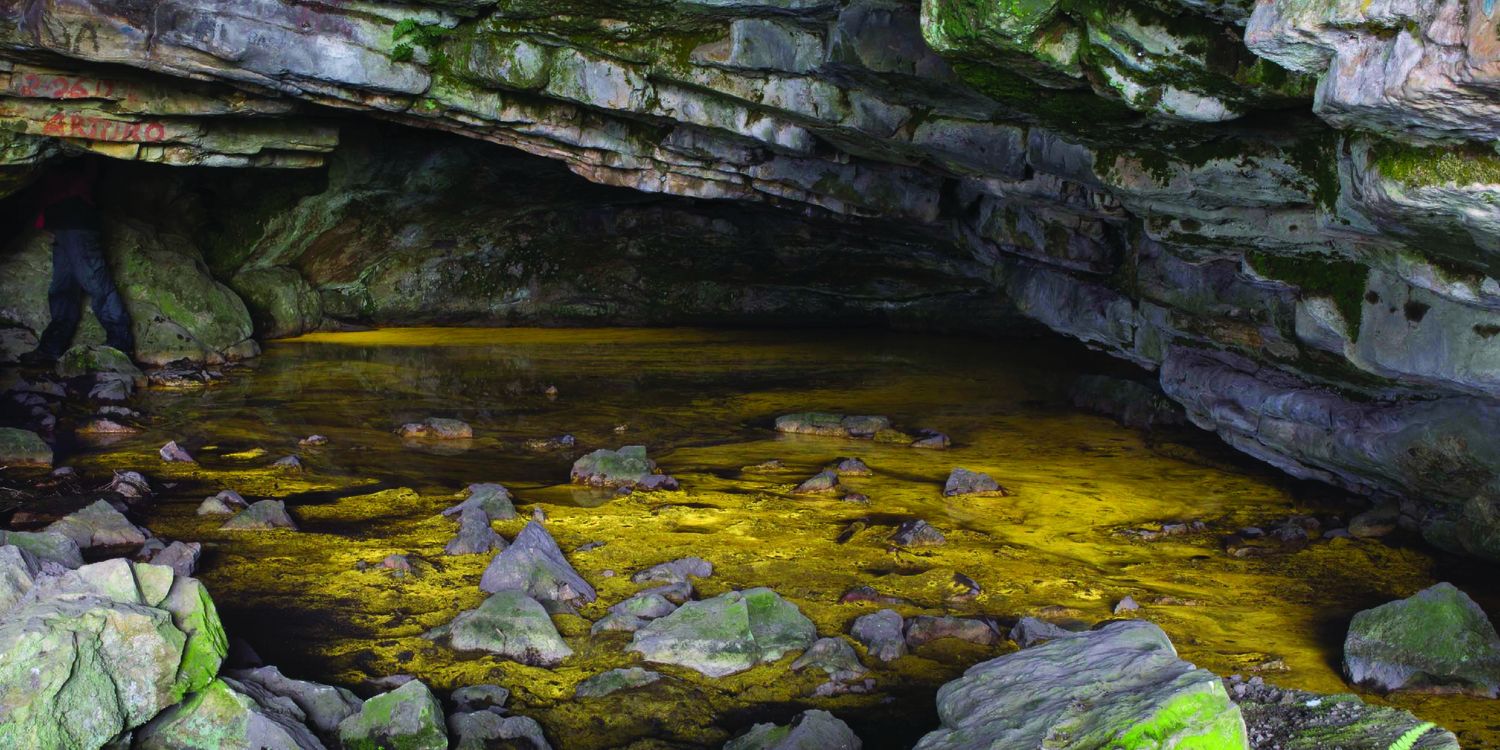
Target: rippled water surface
{"type": "Point", "coordinates": [703, 403]}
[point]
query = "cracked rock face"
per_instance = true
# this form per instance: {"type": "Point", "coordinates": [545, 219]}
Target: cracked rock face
{"type": "Point", "coordinates": [1165, 181]}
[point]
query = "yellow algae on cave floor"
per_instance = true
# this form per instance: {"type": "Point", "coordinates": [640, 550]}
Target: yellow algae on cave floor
{"type": "Point", "coordinates": [317, 603]}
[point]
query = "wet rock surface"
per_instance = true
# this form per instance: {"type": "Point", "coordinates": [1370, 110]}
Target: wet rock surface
{"type": "Point", "coordinates": [533, 564]}
{"type": "Point", "coordinates": [407, 717]}
{"type": "Point", "coordinates": [729, 633]}
{"type": "Point", "coordinates": [509, 624]}
{"type": "Point", "coordinates": [1438, 640]}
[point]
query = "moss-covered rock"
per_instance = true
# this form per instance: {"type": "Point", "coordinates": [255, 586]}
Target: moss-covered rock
{"type": "Point", "coordinates": [280, 301]}
{"type": "Point", "coordinates": [729, 633]}
{"type": "Point", "coordinates": [23, 448]}
{"type": "Point", "coordinates": [407, 718]}
{"type": "Point", "coordinates": [228, 714]}
{"type": "Point", "coordinates": [1436, 641]}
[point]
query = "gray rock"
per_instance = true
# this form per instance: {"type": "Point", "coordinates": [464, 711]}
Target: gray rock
{"type": "Point", "coordinates": [18, 571]}
{"type": "Point", "coordinates": [287, 463]}
{"type": "Point", "coordinates": [676, 593]}
{"type": "Point", "coordinates": [645, 606]}
{"type": "Point", "coordinates": [408, 717]}
{"type": "Point", "coordinates": [533, 563]}
{"type": "Point", "coordinates": [618, 622]}
{"type": "Point", "coordinates": [823, 481]}
{"type": "Point", "coordinates": [324, 706]}
{"type": "Point", "coordinates": [809, 730]}
{"type": "Point", "coordinates": [479, 697]}
{"type": "Point", "coordinates": [181, 557]}
{"type": "Point", "coordinates": [1030, 631]}
{"type": "Point", "coordinates": [436, 428]}
{"type": "Point", "coordinates": [493, 499]}
{"type": "Point", "coordinates": [46, 546]}
{"type": "Point", "coordinates": [965, 482]}
{"type": "Point", "coordinates": [676, 571]}
{"type": "Point", "coordinates": [931, 440]}
{"type": "Point", "coordinates": [627, 467]}
{"type": "Point", "coordinates": [313, 441]}
{"type": "Point", "coordinates": [172, 452]}
{"type": "Point", "coordinates": [835, 657]}
{"type": "Point", "coordinates": [99, 525]}
{"type": "Point", "coordinates": [850, 467]}
{"type": "Point", "coordinates": [1437, 641]}
{"type": "Point", "coordinates": [231, 715]}
{"type": "Point", "coordinates": [1127, 604]}
{"type": "Point", "coordinates": [1376, 522]}
{"type": "Point", "coordinates": [130, 484]}
{"type": "Point", "coordinates": [23, 448]}
{"type": "Point", "coordinates": [917, 532]}
{"type": "Point", "coordinates": [614, 681]}
{"type": "Point", "coordinates": [475, 536]}
{"type": "Point", "coordinates": [261, 516]}
{"type": "Point", "coordinates": [510, 624]}
{"type": "Point", "coordinates": [729, 633]}
{"type": "Point", "coordinates": [227, 502]}
{"type": "Point", "coordinates": [1097, 689]}
{"type": "Point", "coordinates": [924, 629]}
{"type": "Point", "coordinates": [882, 633]}
{"type": "Point", "coordinates": [482, 730]}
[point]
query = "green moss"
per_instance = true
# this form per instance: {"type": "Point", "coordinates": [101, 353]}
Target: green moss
{"type": "Point", "coordinates": [1204, 720]}
{"type": "Point", "coordinates": [429, 36]}
{"type": "Point", "coordinates": [1343, 281]}
{"type": "Point", "coordinates": [1317, 159]}
{"type": "Point", "coordinates": [1417, 167]}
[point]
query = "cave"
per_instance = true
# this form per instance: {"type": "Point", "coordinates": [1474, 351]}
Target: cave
{"type": "Point", "coordinates": [749, 374]}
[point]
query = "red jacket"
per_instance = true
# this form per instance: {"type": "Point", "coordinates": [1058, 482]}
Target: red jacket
{"type": "Point", "coordinates": [56, 191]}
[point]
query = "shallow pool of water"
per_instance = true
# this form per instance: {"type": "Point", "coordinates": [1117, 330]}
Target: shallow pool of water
{"type": "Point", "coordinates": [703, 403]}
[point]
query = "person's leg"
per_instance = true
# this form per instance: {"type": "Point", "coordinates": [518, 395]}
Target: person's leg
{"type": "Point", "coordinates": [63, 302]}
{"type": "Point", "coordinates": [95, 277]}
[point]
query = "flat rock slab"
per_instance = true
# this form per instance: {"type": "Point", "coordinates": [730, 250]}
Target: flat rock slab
{"type": "Point", "coordinates": [1436, 641]}
{"type": "Point", "coordinates": [729, 633]}
{"type": "Point", "coordinates": [509, 624]}
{"type": "Point", "coordinates": [810, 730]}
{"type": "Point", "coordinates": [1119, 686]}
{"type": "Point", "coordinates": [99, 525]}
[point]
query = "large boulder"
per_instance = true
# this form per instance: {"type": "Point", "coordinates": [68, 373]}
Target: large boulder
{"type": "Point", "coordinates": [1435, 641]}
{"type": "Point", "coordinates": [626, 467]}
{"type": "Point", "coordinates": [810, 730]}
{"type": "Point", "coordinates": [408, 718]}
{"type": "Point", "coordinates": [23, 448]}
{"type": "Point", "coordinates": [229, 715]}
{"type": "Point", "coordinates": [475, 536]}
{"type": "Point", "coordinates": [324, 706]}
{"type": "Point", "coordinates": [729, 633]}
{"type": "Point", "coordinates": [533, 563]}
{"type": "Point", "coordinates": [1119, 686]}
{"type": "Point", "coordinates": [510, 624]}
{"type": "Point", "coordinates": [46, 546]}
{"type": "Point", "coordinates": [483, 730]}
{"type": "Point", "coordinates": [101, 650]}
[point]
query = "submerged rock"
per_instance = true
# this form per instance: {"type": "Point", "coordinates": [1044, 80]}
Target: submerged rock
{"type": "Point", "coordinates": [475, 536]}
{"type": "Point", "coordinates": [172, 452]}
{"type": "Point", "coordinates": [965, 482]}
{"type": "Point", "coordinates": [509, 624]}
{"type": "Point", "coordinates": [809, 730]}
{"type": "Point", "coordinates": [493, 499]}
{"type": "Point", "coordinates": [436, 428]}
{"type": "Point", "coordinates": [1299, 720]}
{"type": "Point", "coordinates": [324, 706]}
{"type": "Point", "coordinates": [408, 718]}
{"type": "Point", "coordinates": [99, 525]}
{"type": "Point", "coordinates": [676, 571]}
{"type": "Point", "coordinates": [560, 442]}
{"type": "Point", "coordinates": [729, 633]}
{"type": "Point", "coordinates": [882, 633]}
{"type": "Point", "coordinates": [313, 441]}
{"type": "Point", "coordinates": [107, 426]}
{"type": "Point", "coordinates": [626, 467]}
{"type": "Point", "coordinates": [225, 503]}
{"type": "Point", "coordinates": [823, 481]}
{"type": "Point", "coordinates": [230, 715]}
{"type": "Point", "coordinates": [1115, 686]}
{"type": "Point", "coordinates": [832, 425]}
{"type": "Point", "coordinates": [533, 563]}
{"type": "Point", "coordinates": [261, 516]}
{"type": "Point", "coordinates": [613, 681]}
{"type": "Point", "coordinates": [1436, 641]}
{"type": "Point", "coordinates": [482, 730]}
{"type": "Point", "coordinates": [931, 440]}
{"type": "Point", "coordinates": [23, 448]}
{"type": "Point", "coordinates": [101, 650]}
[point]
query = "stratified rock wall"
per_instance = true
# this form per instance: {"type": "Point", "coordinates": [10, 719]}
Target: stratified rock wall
{"type": "Point", "coordinates": [1298, 200]}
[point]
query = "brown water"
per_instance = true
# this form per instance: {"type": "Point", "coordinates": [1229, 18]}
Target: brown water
{"type": "Point", "coordinates": [703, 402]}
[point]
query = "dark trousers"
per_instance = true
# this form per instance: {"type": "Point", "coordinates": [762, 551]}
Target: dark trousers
{"type": "Point", "coordinates": [78, 268]}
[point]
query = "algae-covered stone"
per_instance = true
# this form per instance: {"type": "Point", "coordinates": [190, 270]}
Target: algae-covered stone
{"type": "Point", "coordinates": [675, 571]}
{"type": "Point", "coordinates": [475, 536]}
{"type": "Point", "coordinates": [1119, 686]}
{"type": "Point", "coordinates": [436, 428]}
{"type": "Point", "coordinates": [810, 730]}
{"type": "Point", "coordinates": [1436, 641]}
{"type": "Point", "coordinates": [280, 301]}
{"type": "Point", "coordinates": [99, 525]}
{"type": "Point", "coordinates": [101, 650]}
{"type": "Point", "coordinates": [626, 467]}
{"type": "Point", "coordinates": [482, 730]}
{"type": "Point", "coordinates": [408, 718]}
{"type": "Point", "coordinates": [18, 571]}
{"type": "Point", "coordinates": [85, 359]}
{"type": "Point", "coordinates": [325, 706]}
{"type": "Point", "coordinates": [230, 715]}
{"type": "Point", "coordinates": [491, 498]}
{"type": "Point", "coordinates": [261, 516]}
{"type": "Point", "coordinates": [613, 681]}
{"type": "Point", "coordinates": [882, 634]}
{"type": "Point", "coordinates": [533, 563]}
{"type": "Point", "coordinates": [511, 624]}
{"type": "Point", "coordinates": [23, 448]}
{"type": "Point", "coordinates": [965, 482]}
{"type": "Point", "coordinates": [729, 633]}
{"type": "Point", "coordinates": [226, 502]}
{"type": "Point", "coordinates": [46, 546]}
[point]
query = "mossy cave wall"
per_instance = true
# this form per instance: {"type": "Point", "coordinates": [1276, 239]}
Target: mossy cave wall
{"type": "Point", "coordinates": [1288, 210]}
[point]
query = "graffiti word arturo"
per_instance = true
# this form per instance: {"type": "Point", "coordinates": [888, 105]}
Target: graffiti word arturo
{"type": "Point", "coordinates": [103, 129]}
{"type": "Point", "coordinates": [35, 86]}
